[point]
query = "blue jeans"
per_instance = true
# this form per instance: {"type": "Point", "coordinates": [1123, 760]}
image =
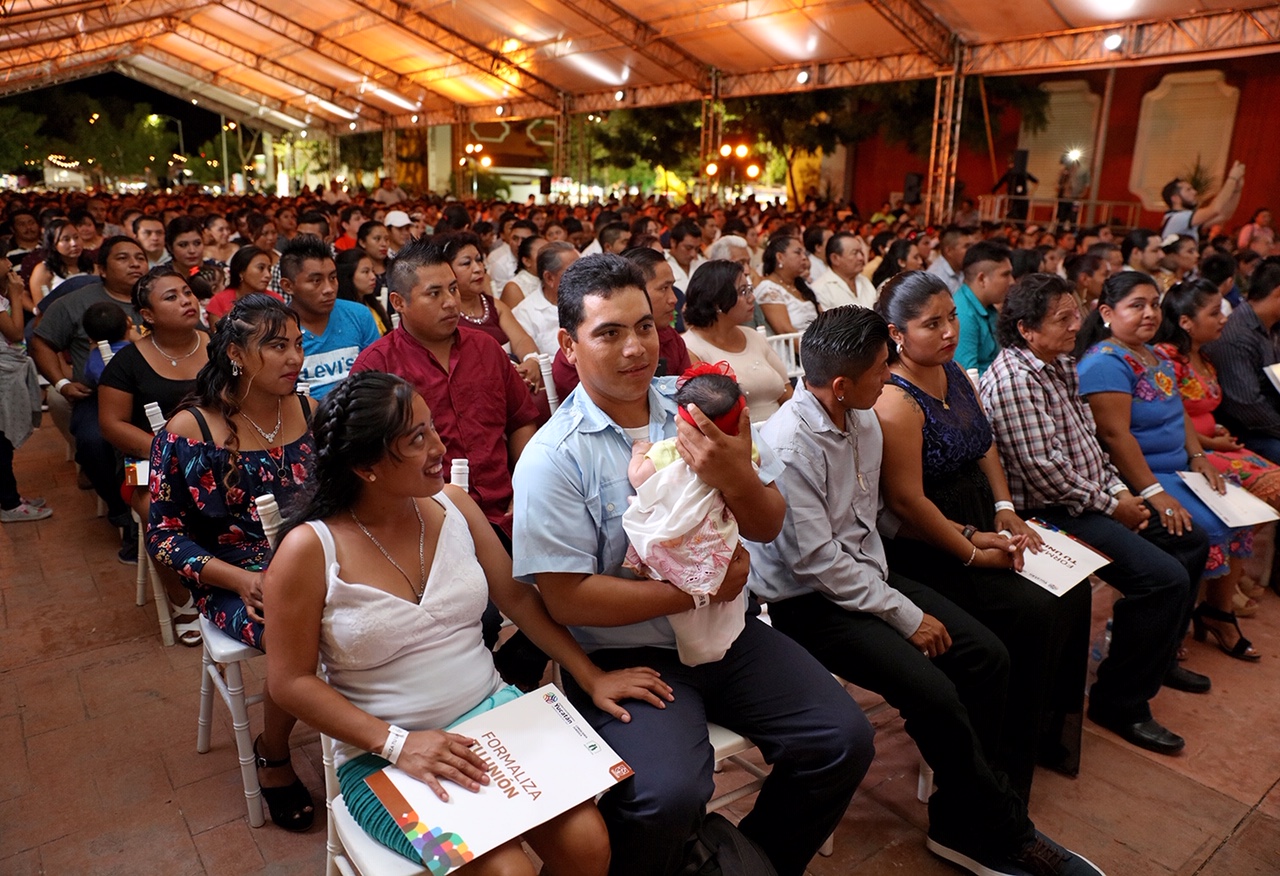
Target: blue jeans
{"type": "Point", "coordinates": [97, 458]}
{"type": "Point", "coordinates": [768, 689]}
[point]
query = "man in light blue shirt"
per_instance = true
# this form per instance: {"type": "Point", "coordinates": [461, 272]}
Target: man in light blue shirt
{"type": "Point", "coordinates": [988, 274]}
{"type": "Point", "coordinates": [333, 331]}
{"type": "Point", "coordinates": [571, 489]}
{"type": "Point", "coordinates": [953, 243]}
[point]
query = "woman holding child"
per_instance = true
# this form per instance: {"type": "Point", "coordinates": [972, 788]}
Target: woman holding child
{"type": "Point", "coordinates": [355, 567]}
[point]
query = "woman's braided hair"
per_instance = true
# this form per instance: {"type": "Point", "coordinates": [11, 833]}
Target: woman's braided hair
{"type": "Point", "coordinates": [253, 320]}
{"type": "Point", "coordinates": [356, 425]}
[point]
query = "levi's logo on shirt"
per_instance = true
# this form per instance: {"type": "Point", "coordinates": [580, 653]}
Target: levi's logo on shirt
{"type": "Point", "coordinates": [330, 366]}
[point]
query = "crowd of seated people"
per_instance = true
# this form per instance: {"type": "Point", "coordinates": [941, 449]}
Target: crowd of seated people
{"type": "Point", "coordinates": [883, 514]}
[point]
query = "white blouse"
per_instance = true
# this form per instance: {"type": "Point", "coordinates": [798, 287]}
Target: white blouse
{"type": "Point", "coordinates": [800, 311]}
{"type": "Point", "coordinates": [760, 372]}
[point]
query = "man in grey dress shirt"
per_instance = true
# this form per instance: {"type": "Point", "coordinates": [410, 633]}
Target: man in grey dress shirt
{"type": "Point", "coordinates": [829, 587]}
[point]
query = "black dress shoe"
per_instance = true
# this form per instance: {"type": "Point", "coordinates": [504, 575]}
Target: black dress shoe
{"type": "Point", "coordinates": [1148, 734]}
{"type": "Point", "coordinates": [1181, 678]}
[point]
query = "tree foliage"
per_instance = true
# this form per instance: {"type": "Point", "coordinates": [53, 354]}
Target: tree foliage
{"type": "Point", "coordinates": [668, 136]}
{"type": "Point", "coordinates": [22, 140]}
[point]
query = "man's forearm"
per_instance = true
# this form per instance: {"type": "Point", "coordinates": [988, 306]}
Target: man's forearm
{"type": "Point", "coordinates": [607, 601]}
{"type": "Point", "coordinates": [47, 360]}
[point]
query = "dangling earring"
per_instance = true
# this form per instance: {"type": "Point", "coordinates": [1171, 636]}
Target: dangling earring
{"type": "Point", "coordinates": [235, 368]}
{"type": "Point", "coordinates": [899, 348]}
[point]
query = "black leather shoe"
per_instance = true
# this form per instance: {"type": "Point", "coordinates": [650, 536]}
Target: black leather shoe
{"type": "Point", "coordinates": [1181, 678]}
{"type": "Point", "coordinates": [1148, 734]}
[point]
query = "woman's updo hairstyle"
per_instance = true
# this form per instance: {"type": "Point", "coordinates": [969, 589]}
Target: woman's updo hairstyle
{"type": "Point", "coordinates": [1117, 288]}
{"type": "Point", "coordinates": [356, 425]}
{"type": "Point", "coordinates": [1029, 301]}
{"type": "Point", "coordinates": [141, 293]}
{"type": "Point", "coordinates": [252, 322]}
{"type": "Point", "coordinates": [526, 250]}
{"type": "Point", "coordinates": [1185, 299]}
{"type": "Point", "coordinates": [904, 297]}
{"type": "Point", "coordinates": [240, 263]}
{"type": "Point", "coordinates": [711, 291]}
{"type": "Point", "coordinates": [451, 243]}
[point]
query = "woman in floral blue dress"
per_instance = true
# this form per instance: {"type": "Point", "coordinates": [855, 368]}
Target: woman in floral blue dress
{"type": "Point", "coordinates": [242, 433]}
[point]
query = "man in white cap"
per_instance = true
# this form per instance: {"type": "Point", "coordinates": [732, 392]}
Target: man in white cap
{"type": "Point", "coordinates": [399, 229]}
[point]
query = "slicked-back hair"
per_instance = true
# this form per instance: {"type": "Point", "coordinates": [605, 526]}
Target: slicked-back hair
{"type": "Point", "coordinates": [1265, 279]}
{"type": "Point", "coordinates": [610, 232]}
{"type": "Point", "coordinates": [835, 246]}
{"type": "Point", "coordinates": [550, 257]}
{"type": "Point", "coordinates": [420, 252]}
{"type": "Point", "coordinates": [1135, 239]}
{"type": "Point", "coordinates": [905, 296]}
{"type": "Point", "coordinates": [842, 342]}
{"type": "Point", "coordinates": [602, 275]}
{"type": "Point", "coordinates": [683, 230]}
{"type": "Point", "coordinates": [302, 248]}
{"type": "Point", "coordinates": [646, 259]}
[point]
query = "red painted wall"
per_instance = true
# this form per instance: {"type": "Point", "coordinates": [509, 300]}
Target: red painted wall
{"type": "Point", "coordinates": [879, 167]}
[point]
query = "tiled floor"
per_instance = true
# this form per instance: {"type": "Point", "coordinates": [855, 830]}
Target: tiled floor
{"type": "Point", "coordinates": [97, 724]}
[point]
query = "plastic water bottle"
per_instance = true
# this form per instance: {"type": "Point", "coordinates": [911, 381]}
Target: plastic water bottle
{"type": "Point", "coordinates": [1098, 650]}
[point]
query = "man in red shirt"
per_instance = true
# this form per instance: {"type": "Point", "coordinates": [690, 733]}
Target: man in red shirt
{"type": "Point", "coordinates": [351, 218]}
{"type": "Point", "coordinates": [481, 408]}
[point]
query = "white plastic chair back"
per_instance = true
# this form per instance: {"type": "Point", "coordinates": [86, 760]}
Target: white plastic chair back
{"type": "Point", "coordinates": [107, 353]}
{"type": "Point", "coordinates": [269, 514]}
{"type": "Point", "coordinates": [548, 385]}
{"type": "Point", "coordinates": [787, 347]}
{"type": "Point", "coordinates": [304, 389]}
{"type": "Point", "coordinates": [460, 474]}
{"type": "Point", "coordinates": [155, 417]}
{"type": "Point", "coordinates": [395, 319]}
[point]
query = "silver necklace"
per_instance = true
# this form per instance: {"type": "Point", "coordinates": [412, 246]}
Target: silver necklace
{"type": "Point", "coordinates": [857, 451]}
{"type": "Point", "coordinates": [484, 300]}
{"type": "Point", "coordinates": [268, 437]}
{"type": "Point", "coordinates": [422, 554]}
{"type": "Point", "coordinates": [173, 360]}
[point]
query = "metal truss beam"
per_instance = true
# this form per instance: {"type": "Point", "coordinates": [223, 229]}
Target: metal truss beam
{"type": "Point", "coordinates": [196, 73]}
{"type": "Point", "coordinates": [642, 38]}
{"type": "Point", "coordinates": [833, 74]}
{"type": "Point", "coordinates": [471, 52]}
{"type": "Point", "coordinates": [246, 58]}
{"type": "Point", "coordinates": [1223, 33]}
{"type": "Point", "coordinates": [46, 75]}
{"type": "Point", "coordinates": [85, 19]}
{"type": "Point", "coordinates": [302, 36]}
{"type": "Point", "coordinates": [240, 116]}
{"type": "Point", "coordinates": [919, 25]}
{"type": "Point", "coordinates": [100, 45]}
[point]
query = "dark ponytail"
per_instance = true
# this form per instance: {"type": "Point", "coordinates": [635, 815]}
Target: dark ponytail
{"type": "Point", "coordinates": [770, 264]}
{"type": "Point", "coordinates": [255, 318]}
{"type": "Point", "coordinates": [1184, 299]}
{"type": "Point", "coordinates": [904, 297]}
{"type": "Point", "coordinates": [1117, 288]}
{"type": "Point", "coordinates": [357, 424]}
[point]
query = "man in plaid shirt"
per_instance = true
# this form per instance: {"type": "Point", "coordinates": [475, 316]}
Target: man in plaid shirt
{"type": "Point", "coordinates": [1059, 473]}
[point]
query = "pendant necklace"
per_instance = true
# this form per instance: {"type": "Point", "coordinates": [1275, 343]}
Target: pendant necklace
{"type": "Point", "coordinates": [422, 558]}
{"type": "Point", "coordinates": [268, 437]}
{"type": "Point", "coordinates": [174, 360]}
{"type": "Point", "coordinates": [857, 452]}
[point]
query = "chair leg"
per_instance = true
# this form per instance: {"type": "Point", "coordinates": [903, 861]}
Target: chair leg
{"type": "Point", "coordinates": [828, 846]}
{"type": "Point", "coordinates": [333, 843]}
{"type": "Point", "coordinates": [924, 783]}
{"type": "Point", "coordinates": [244, 743]}
{"type": "Point", "coordinates": [141, 578]}
{"type": "Point", "coordinates": [206, 702]}
{"type": "Point", "coordinates": [167, 633]}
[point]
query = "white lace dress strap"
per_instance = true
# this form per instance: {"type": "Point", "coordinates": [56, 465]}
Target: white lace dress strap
{"type": "Point", "coordinates": [321, 529]}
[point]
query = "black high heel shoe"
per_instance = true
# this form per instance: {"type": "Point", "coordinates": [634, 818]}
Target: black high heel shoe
{"type": "Point", "coordinates": [1241, 650]}
{"type": "Point", "coordinates": [291, 806]}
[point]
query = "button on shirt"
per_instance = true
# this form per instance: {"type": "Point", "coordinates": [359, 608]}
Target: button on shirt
{"type": "Point", "coordinates": [829, 543]}
{"type": "Point", "coordinates": [476, 404]}
{"type": "Point", "coordinates": [1249, 401]}
{"type": "Point", "coordinates": [977, 346]}
{"type": "Point", "coordinates": [571, 489]}
{"type": "Point", "coordinates": [1046, 434]}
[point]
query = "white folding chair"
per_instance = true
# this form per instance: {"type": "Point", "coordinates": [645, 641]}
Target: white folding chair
{"type": "Point", "coordinates": [548, 384]}
{"type": "Point", "coordinates": [350, 851]}
{"type": "Point", "coordinates": [220, 669]}
{"type": "Point", "coordinates": [787, 346]}
{"type": "Point", "coordinates": [147, 570]}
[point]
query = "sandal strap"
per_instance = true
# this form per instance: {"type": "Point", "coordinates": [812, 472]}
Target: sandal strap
{"type": "Point", "coordinates": [1217, 614]}
{"type": "Point", "coordinates": [264, 763]}
{"type": "Point", "coordinates": [1241, 647]}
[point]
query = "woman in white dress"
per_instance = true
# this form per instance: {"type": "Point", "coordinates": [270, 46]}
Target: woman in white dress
{"type": "Point", "coordinates": [786, 300]}
{"type": "Point", "coordinates": [526, 282]}
{"type": "Point", "coordinates": [718, 301]}
{"type": "Point", "coordinates": [392, 611]}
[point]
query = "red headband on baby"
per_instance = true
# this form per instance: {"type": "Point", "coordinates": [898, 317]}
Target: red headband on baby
{"type": "Point", "coordinates": [726, 422]}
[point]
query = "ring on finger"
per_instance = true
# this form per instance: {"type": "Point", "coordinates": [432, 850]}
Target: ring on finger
{"type": "Point", "coordinates": [1168, 512]}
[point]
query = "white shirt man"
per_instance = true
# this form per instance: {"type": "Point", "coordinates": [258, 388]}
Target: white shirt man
{"type": "Point", "coordinates": [843, 283]}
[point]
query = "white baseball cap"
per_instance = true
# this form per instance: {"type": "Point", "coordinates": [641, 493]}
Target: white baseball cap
{"type": "Point", "coordinates": [397, 219]}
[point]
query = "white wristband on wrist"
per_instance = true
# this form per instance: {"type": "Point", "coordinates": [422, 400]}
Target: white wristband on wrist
{"type": "Point", "coordinates": [1117, 489]}
{"type": "Point", "coordinates": [528, 356]}
{"type": "Point", "coordinates": [57, 387]}
{"type": "Point", "coordinates": [1005, 506]}
{"type": "Point", "coordinates": [1152, 490]}
{"type": "Point", "coordinates": [396, 737]}
{"type": "Point", "coordinates": [700, 600]}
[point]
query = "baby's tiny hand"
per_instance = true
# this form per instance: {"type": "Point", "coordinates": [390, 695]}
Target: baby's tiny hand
{"type": "Point", "coordinates": [640, 448]}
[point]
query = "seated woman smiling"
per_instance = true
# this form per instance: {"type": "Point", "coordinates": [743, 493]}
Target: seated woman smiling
{"type": "Point", "coordinates": [351, 570]}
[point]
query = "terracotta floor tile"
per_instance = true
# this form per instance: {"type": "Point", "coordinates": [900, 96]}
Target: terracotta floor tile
{"type": "Point", "coordinates": [23, 864]}
{"type": "Point", "coordinates": [1260, 836]}
{"type": "Point", "coordinates": [126, 842]}
{"type": "Point", "coordinates": [229, 850]}
{"type": "Point", "coordinates": [216, 800]}
{"type": "Point", "coordinates": [1235, 862]}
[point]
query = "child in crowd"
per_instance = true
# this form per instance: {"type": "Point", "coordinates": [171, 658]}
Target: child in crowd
{"type": "Point", "coordinates": [108, 322]}
{"type": "Point", "coordinates": [681, 530]}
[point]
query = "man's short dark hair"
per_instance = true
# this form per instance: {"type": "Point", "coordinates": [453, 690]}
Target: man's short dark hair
{"type": "Point", "coordinates": [550, 257]}
{"type": "Point", "coordinates": [610, 232]}
{"type": "Point", "coordinates": [1103, 250]}
{"type": "Point", "coordinates": [1265, 279]}
{"type": "Point", "coordinates": [1028, 303]}
{"type": "Point", "coordinates": [525, 224]}
{"type": "Point", "coordinates": [1138, 238]}
{"type": "Point", "coordinates": [602, 275]}
{"type": "Point", "coordinates": [984, 251]}
{"type": "Point", "coordinates": [842, 342]}
{"type": "Point", "coordinates": [419, 252]}
{"type": "Point", "coordinates": [951, 235]}
{"type": "Point", "coordinates": [685, 230]}
{"type": "Point", "coordinates": [104, 251]}
{"type": "Point", "coordinates": [646, 259]}
{"type": "Point", "coordinates": [1218, 268]}
{"type": "Point", "coordinates": [1170, 189]}
{"type": "Point", "coordinates": [835, 246]}
{"type": "Point", "coordinates": [314, 217]}
{"type": "Point", "coordinates": [146, 217]}
{"type": "Point", "coordinates": [813, 238]}
{"type": "Point", "coordinates": [347, 212]}
{"type": "Point", "coordinates": [299, 250]}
